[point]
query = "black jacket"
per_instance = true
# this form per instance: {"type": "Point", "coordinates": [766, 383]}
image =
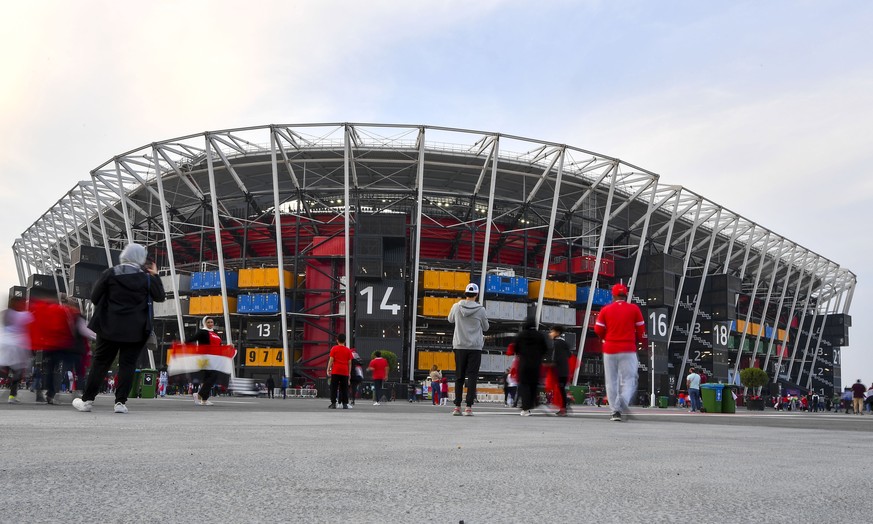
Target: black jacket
{"type": "Point", "coordinates": [531, 347]}
{"type": "Point", "coordinates": [122, 300]}
{"type": "Point", "coordinates": [561, 356]}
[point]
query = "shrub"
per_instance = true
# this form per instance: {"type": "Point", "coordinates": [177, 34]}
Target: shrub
{"type": "Point", "coordinates": [754, 377]}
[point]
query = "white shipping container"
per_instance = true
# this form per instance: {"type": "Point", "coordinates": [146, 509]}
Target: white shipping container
{"type": "Point", "coordinates": [167, 308]}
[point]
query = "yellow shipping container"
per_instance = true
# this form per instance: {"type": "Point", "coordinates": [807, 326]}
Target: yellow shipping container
{"type": "Point", "coordinates": [447, 281]}
{"type": "Point", "coordinates": [425, 359]}
{"type": "Point", "coordinates": [245, 278]}
{"type": "Point", "coordinates": [570, 293]}
{"type": "Point", "coordinates": [430, 306]}
{"type": "Point", "coordinates": [216, 305]}
{"type": "Point", "coordinates": [446, 304]}
{"type": "Point", "coordinates": [431, 279]}
{"type": "Point", "coordinates": [195, 305]}
{"type": "Point", "coordinates": [461, 281]}
{"type": "Point", "coordinates": [271, 278]}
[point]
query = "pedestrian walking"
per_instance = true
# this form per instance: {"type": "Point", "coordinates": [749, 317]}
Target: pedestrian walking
{"type": "Point", "coordinates": [206, 336]}
{"type": "Point", "coordinates": [621, 327]}
{"type": "Point", "coordinates": [356, 378]}
{"type": "Point", "coordinates": [444, 391]}
{"type": "Point", "coordinates": [122, 320]}
{"type": "Point", "coordinates": [339, 367]}
{"type": "Point", "coordinates": [471, 323]}
{"type": "Point", "coordinates": [435, 377]}
{"type": "Point", "coordinates": [15, 345]}
{"type": "Point", "coordinates": [271, 386]}
{"type": "Point", "coordinates": [692, 382]}
{"type": "Point", "coordinates": [858, 390]}
{"type": "Point", "coordinates": [284, 386]}
{"type": "Point", "coordinates": [378, 366]}
{"type": "Point", "coordinates": [561, 362]}
{"type": "Point", "coordinates": [530, 348]}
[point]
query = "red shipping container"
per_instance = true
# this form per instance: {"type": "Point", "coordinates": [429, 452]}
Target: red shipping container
{"type": "Point", "coordinates": [329, 246]}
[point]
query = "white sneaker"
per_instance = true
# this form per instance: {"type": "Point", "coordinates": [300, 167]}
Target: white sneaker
{"type": "Point", "coordinates": [376, 404]}
{"type": "Point", "coordinates": [197, 399]}
{"type": "Point", "coordinates": [82, 405]}
{"type": "Point", "coordinates": [119, 408]}
{"type": "Point", "coordinates": [206, 403]}
{"type": "Point", "coordinates": [525, 413]}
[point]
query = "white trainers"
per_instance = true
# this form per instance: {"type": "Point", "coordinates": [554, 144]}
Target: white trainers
{"type": "Point", "coordinates": [82, 405]}
{"type": "Point", "coordinates": [13, 400]}
{"type": "Point", "coordinates": [206, 403]}
{"type": "Point", "coordinates": [376, 404]}
{"type": "Point", "coordinates": [525, 413]}
{"type": "Point", "coordinates": [119, 408]}
{"type": "Point", "coordinates": [197, 399]}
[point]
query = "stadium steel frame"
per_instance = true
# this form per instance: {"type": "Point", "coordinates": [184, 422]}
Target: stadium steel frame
{"type": "Point", "coordinates": [560, 199]}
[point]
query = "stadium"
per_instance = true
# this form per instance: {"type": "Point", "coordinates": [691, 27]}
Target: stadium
{"type": "Point", "coordinates": [377, 228]}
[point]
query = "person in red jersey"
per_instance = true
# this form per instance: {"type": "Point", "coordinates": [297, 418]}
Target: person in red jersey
{"type": "Point", "coordinates": [339, 369]}
{"type": "Point", "coordinates": [379, 368]}
{"type": "Point", "coordinates": [621, 327]}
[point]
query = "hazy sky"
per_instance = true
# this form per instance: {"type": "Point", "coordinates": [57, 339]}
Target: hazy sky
{"type": "Point", "coordinates": [763, 107]}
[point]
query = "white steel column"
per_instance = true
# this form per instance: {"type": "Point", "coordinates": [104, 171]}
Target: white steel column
{"type": "Point", "coordinates": [762, 260]}
{"type": "Point", "coordinates": [603, 229]}
{"type": "Point", "coordinates": [486, 249]}
{"type": "Point", "coordinates": [102, 219]}
{"type": "Point", "coordinates": [347, 153]}
{"type": "Point", "coordinates": [280, 254]}
{"type": "Point", "coordinates": [776, 260]}
{"type": "Point", "coordinates": [551, 235]}
{"type": "Point", "coordinates": [121, 194]}
{"type": "Point", "coordinates": [168, 240]}
{"type": "Point", "coordinates": [812, 273]}
{"type": "Point", "coordinates": [417, 264]}
{"type": "Point", "coordinates": [783, 349]}
{"type": "Point", "coordinates": [643, 234]}
{"type": "Point", "coordinates": [219, 248]}
{"type": "Point", "coordinates": [775, 332]}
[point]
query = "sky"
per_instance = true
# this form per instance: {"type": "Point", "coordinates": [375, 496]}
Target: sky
{"type": "Point", "coordinates": [762, 107]}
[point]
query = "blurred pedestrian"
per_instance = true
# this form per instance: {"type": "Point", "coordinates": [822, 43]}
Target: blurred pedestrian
{"type": "Point", "coordinates": [122, 319]}
{"type": "Point", "coordinates": [15, 344]}
{"type": "Point", "coordinates": [339, 368]}
{"type": "Point", "coordinates": [561, 362]}
{"type": "Point", "coordinates": [378, 366]}
{"type": "Point", "coordinates": [356, 377]}
{"type": "Point", "coordinates": [530, 348]}
{"type": "Point", "coordinates": [206, 336]}
{"type": "Point", "coordinates": [471, 323]}
{"type": "Point", "coordinates": [52, 333]}
{"type": "Point", "coordinates": [271, 386]}
{"type": "Point", "coordinates": [284, 386]}
{"type": "Point", "coordinates": [621, 327]}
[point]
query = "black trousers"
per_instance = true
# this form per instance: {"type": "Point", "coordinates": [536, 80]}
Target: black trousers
{"type": "Point", "coordinates": [467, 362]}
{"type": "Point", "coordinates": [528, 387]}
{"type": "Point", "coordinates": [105, 352]}
{"type": "Point", "coordinates": [562, 383]}
{"type": "Point", "coordinates": [377, 389]}
{"type": "Point", "coordinates": [339, 385]}
{"type": "Point", "coordinates": [210, 377]}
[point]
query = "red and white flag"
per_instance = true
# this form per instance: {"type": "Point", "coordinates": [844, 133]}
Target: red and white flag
{"type": "Point", "coordinates": [191, 358]}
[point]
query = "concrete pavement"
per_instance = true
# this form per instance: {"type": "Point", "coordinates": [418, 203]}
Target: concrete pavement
{"type": "Point", "coordinates": [260, 460]}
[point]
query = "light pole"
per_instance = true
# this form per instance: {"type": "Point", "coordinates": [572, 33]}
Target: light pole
{"type": "Point", "coordinates": [652, 359]}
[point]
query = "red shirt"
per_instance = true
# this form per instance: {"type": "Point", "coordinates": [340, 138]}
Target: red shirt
{"type": "Point", "coordinates": [620, 325]}
{"type": "Point", "coordinates": [380, 368]}
{"type": "Point", "coordinates": [341, 356]}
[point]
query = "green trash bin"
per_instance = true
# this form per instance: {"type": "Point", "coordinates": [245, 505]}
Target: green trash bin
{"type": "Point", "coordinates": [578, 393]}
{"type": "Point", "coordinates": [728, 403]}
{"type": "Point", "coordinates": [148, 383]}
{"type": "Point", "coordinates": [662, 402]}
{"type": "Point", "coordinates": [711, 395]}
{"type": "Point", "coordinates": [135, 386]}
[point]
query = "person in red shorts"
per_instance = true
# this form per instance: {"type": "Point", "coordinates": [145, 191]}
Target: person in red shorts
{"type": "Point", "coordinates": [339, 369]}
{"type": "Point", "coordinates": [379, 368]}
{"type": "Point", "coordinates": [621, 327]}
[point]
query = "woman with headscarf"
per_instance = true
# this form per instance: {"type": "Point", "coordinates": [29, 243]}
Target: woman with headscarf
{"type": "Point", "coordinates": [206, 336]}
{"type": "Point", "coordinates": [122, 320]}
{"type": "Point", "coordinates": [530, 347]}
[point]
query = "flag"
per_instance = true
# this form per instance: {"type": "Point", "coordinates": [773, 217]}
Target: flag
{"type": "Point", "coordinates": [191, 358]}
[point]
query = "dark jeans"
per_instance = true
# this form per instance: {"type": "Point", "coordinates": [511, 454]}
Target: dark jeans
{"type": "Point", "coordinates": [210, 377]}
{"type": "Point", "coordinates": [353, 390]}
{"type": "Point", "coordinates": [467, 362]}
{"type": "Point", "coordinates": [105, 352]}
{"type": "Point", "coordinates": [14, 378]}
{"type": "Point", "coordinates": [339, 385]}
{"type": "Point", "coordinates": [378, 384]}
{"type": "Point", "coordinates": [67, 360]}
{"type": "Point", "coordinates": [562, 383]}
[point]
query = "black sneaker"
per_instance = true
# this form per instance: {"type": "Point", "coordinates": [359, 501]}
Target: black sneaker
{"type": "Point", "coordinates": [616, 416]}
{"type": "Point", "coordinates": [332, 406]}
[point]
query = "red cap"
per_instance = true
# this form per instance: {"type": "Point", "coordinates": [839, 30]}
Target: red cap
{"type": "Point", "coordinates": [619, 289]}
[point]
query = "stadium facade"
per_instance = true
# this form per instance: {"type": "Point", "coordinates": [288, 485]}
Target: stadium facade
{"type": "Point", "coordinates": [379, 227]}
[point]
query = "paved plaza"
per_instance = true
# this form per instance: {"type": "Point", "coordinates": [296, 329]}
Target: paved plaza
{"type": "Point", "coordinates": [261, 460]}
